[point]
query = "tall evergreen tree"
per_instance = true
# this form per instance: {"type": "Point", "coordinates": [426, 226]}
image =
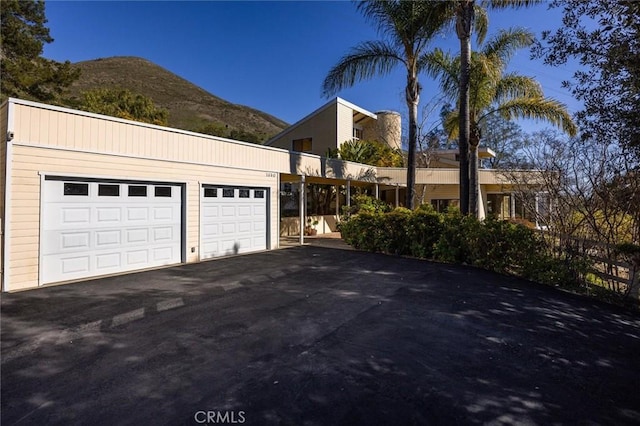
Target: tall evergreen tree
{"type": "Point", "coordinates": [26, 74]}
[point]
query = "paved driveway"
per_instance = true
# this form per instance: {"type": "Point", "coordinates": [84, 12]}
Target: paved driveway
{"type": "Point", "coordinates": [313, 335]}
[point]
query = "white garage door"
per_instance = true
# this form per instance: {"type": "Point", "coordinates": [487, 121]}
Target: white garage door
{"type": "Point", "coordinates": [233, 220]}
{"type": "Point", "coordinates": [95, 228]}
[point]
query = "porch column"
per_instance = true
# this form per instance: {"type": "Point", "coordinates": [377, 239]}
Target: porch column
{"type": "Point", "coordinates": [397, 195]}
{"type": "Point", "coordinates": [377, 191]}
{"type": "Point", "coordinates": [513, 205]}
{"type": "Point", "coordinates": [537, 211]}
{"type": "Point", "coordinates": [337, 200]}
{"type": "Point", "coordinates": [303, 204]}
{"type": "Point", "coordinates": [348, 193]}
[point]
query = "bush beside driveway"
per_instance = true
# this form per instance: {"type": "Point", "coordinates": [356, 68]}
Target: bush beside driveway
{"type": "Point", "coordinates": [312, 335]}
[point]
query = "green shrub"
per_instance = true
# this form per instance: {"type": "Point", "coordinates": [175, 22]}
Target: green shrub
{"type": "Point", "coordinates": [395, 233]}
{"type": "Point", "coordinates": [500, 246]}
{"type": "Point", "coordinates": [456, 238]}
{"type": "Point", "coordinates": [425, 227]}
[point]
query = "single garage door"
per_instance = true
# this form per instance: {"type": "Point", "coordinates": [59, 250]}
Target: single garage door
{"type": "Point", "coordinates": [233, 220]}
{"type": "Point", "coordinates": [92, 228]}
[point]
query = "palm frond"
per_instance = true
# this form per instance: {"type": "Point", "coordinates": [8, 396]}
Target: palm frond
{"type": "Point", "coordinates": [451, 126]}
{"type": "Point", "coordinates": [507, 42]}
{"type": "Point", "coordinates": [513, 86]}
{"type": "Point", "coordinates": [503, 4]}
{"type": "Point", "coordinates": [365, 61]}
{"type": "Point", "coordinates": [408, 21]}
{"type": "Point", "coordinates": [481, 25]}
{"type": "Point", "coordinates": [537, 108]}
{"type": "Point", "coordinates": [444, 67]}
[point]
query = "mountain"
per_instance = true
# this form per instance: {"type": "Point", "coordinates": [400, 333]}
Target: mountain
{"type": "Point", "coordinates": [190, 107]}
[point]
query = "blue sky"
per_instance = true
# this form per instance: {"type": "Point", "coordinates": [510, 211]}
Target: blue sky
{"type": "Point", "coordinates": [272, 56]}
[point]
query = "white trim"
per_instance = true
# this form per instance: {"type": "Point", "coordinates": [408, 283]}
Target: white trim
{"type": "Point", "coordinates": [45, 174]}
{"type": "Point", "coordinates": [40, 230]}
{"type": "Point", "coordinates": [278, 218]}
{"type": "Point", "coordinates": [136, 123]}
{"type": "Point", "coordinates": [7, 198]}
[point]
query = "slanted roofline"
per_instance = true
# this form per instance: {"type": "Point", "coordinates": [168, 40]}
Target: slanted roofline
{"type": "Point", "coordinates": [335, 101]}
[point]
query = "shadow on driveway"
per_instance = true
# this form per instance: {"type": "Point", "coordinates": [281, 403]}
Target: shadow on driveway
{"type": "Point", "coordinates": [312, 335]}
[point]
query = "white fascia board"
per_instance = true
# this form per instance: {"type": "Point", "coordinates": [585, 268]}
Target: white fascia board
{"type": "Point", "coordinates": [356, 108]}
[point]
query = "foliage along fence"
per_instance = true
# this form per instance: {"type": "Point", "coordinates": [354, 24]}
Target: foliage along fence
{"type": "Point", "coordinates": [615, 267]}
{"type": "Point", "coordinates": [500, 246]}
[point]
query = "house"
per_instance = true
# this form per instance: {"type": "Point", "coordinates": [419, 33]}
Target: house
{"type": "Point", "coordinates": [336, 122]}
{"type": "Point", "coordinates": [84, 195]}
{"type": "Point", "coordinates": [339, 121]}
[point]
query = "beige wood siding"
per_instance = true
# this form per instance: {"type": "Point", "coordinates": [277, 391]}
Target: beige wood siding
{"type": "Point", "coordinates": [320, 127]}
{"type": "Point", "coordinates": [344, 124]}
{"type": "Point", "coordinates": [70, 129]}
{"type": "Point", "coordinates": [30, 161]}
{"type": "Point", "coordinates": [41, 125]}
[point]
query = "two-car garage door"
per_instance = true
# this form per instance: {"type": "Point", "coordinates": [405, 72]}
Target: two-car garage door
{"type": "Point", "coordinates": [92, 228]}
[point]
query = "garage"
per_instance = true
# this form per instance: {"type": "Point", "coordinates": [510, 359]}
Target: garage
{"type": "Point", "coordinates": [92, 227]}
{"type": "Point", "coordinates": [233, 220]}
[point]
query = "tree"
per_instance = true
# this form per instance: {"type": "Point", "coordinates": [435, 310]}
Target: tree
{"type": "Point", "coordinates": [505, 138]}
{"type": "Point", "coordinates": [123, 103]}
{"type": "Point", "coordinates": [608, 81]}
{"type": "Point", "coordinates": [373, 153]}
{"type": "Point", "coordinates": [25, 74]}
{"type": "Point", "coordinates": [466, 12]}
{"type": "Point", "coordinates": [491, 91]}
{"type": "Point", "coordinates": [594, 191]}
{"type": "Point", "coordinates": [408, 26]}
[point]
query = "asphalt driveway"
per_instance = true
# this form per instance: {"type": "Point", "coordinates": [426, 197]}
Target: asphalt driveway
{"type": "Point", "coordinates": [317, 336]}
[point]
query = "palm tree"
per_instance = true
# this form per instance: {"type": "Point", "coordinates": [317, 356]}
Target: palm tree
{"type": "Point", "coordinates": [408, 26]}
{"type": "Point", "coordinates": [491, 91]}
{"type": "Point", "coordinates": [467, 13]}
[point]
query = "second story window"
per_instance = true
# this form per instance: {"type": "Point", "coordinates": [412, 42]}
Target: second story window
{"type": "Point", "coordinates": [301, 145]}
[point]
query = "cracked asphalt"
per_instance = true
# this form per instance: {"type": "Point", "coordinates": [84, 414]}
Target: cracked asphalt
{"type": "Point", "coordinates": [316, 336]}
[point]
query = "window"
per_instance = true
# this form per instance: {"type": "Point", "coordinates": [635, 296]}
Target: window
{"type": "Point", "coordinates": [258, 193]}
{"type": "Point", "coordinates": [441, 206]}
{"type": "Point", "coordinates": [357, 133]}
{"type": "Point", "coordinates": [302, 145]}
{"type": "Point", "coordinates": [228, 193]}
{"type": "Point", "coordinates": [108, 190]}
{"type": "Point", "coordinates": [210, 192]}
{"type": "Point", "coordinates": [76, 188]}
{"type": "Point", "coordinates": [243, 193]}
{"type": "Point", "coordinates": [137, 191]}
{"type": "Point", "coordinates": [163, 191]}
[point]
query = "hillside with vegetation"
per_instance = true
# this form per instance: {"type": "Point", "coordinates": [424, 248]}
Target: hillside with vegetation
{"type": "Point", "coordinates": [190, 107]}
